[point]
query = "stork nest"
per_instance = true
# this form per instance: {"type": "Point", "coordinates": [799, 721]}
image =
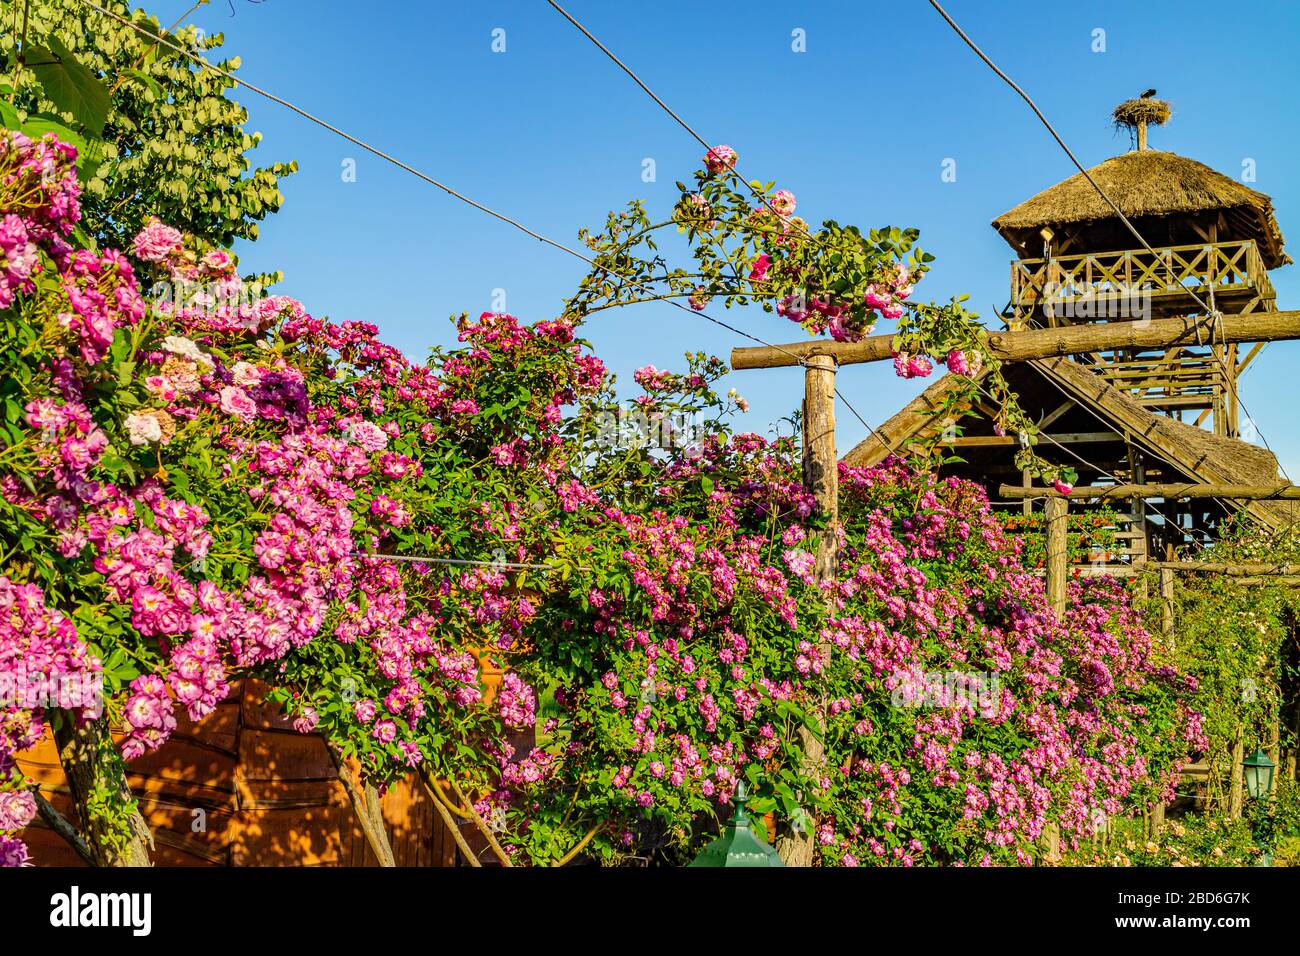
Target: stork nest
{"type": "Point", "coordinates": [1151, 111]}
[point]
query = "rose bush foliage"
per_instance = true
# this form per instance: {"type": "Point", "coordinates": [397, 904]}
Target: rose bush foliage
{"type": "Point", "coordinates": [195, 491]}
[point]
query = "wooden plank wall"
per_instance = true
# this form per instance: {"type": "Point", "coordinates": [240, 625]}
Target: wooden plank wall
{"type": "Point", "coordinates": [243, 788]}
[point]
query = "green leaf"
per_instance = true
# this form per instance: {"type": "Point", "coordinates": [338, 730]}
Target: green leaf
{"type": "Point", "coordinates": [69, 85]}
{"type": "Point", "coordinates": [147, 81]}
{"type": "Point", "coordinates": [38, 124]}
{"type": "Point", "coordinates": [9, 116]}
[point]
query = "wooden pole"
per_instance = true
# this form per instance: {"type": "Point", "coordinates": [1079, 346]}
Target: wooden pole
{"type": "Point", "coordinates": [1029, 344]}
{"type": "Point", "coordinates": [1233, 569]}
{"type": "Point", "coordinates": [1057, 552]}
{"type": "Point", "coordinates": [821, 477]}
{"type": "Point", "coordinates": [1167, 606]}
{"type": "Point", "coordinates": [1058, 541]}
{"type": "Point", "coordinates": [1168, 491]}
{"type": "Point", "coordinates": [820, 464]}
{"type": "Point", "coordinates": [1157, 819]}
{"type": "Point", "coordinates": [1234, 791]}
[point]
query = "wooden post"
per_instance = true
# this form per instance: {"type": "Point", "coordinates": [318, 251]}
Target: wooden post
{"type": "Point", "coordinates": [821, 477]}
{"type": "Point", "coordinates": [820, 465]}
{"type": "Point", "coordinates": [1235, 790]}
{"type": "Point", "coordinates": [1048, 343]}
{"type": "Point", "coordinates": [1167, 606]}
{"type": "Point", "coordinates": [1057, 513]}
{"type": "Point", "coordinates": [1057, 551]}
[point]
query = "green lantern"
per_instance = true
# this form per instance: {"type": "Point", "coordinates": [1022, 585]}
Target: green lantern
{"type": "Point", "coordinates": [1259, 775]}
{"type": "Point", "coordinates": [738, 845]}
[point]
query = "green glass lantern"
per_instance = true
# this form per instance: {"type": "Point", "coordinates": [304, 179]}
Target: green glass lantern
{"type": "Point", "coordinates": [1259, 774]}
{"type": "Point", "coordinates": [738, 845]}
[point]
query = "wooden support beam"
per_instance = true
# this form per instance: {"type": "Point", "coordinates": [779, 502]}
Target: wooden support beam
{"type": "Point", "coordinates": [1068, 438]}
{"type": "Point", "coordinates": [1281, 580]}
{"type": "Point", "coordinates": [1056, 413]}
{"type": "Point", "coordinates": [821, 477]}
{"type": "Point", "coordinates": [1238, 776]}
{"type": "Point", "coordinates": [1250, 357]}
{"type": "Point", "coordinates": [1167, 606]}
{"type": "Point", "coordinates": [1057, 552]}
{"type": "Point", "coordinates": [1166, 491]}
{"type": "Point", "coordinates": [1236, 569]}
{"type": "Point", "coordinates": [1047, 343]}
{"type": "Point", "coordinates": [820, 464]}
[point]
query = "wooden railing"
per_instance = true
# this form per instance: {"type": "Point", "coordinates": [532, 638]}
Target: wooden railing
{"type": "Point", "coordinates": [1098, 542]}
{"type": "Point", "coordinates": [1166, 379]}
{"type": "Point", "coordinates": [1123, 279]}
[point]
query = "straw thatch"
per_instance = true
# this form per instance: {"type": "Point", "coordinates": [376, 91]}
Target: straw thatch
{"type": "Point", "coordinates": [1145, 184]}
{"type": "Point", "coordinates": [1147, 110]}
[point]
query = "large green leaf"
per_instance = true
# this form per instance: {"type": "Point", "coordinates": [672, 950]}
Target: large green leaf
{"type": "Point", "coordinates": [38, 124]}
{"type": "Point", "coordinates": [8, 115]}
{"type": "Point", "coordinates": [69, 85]}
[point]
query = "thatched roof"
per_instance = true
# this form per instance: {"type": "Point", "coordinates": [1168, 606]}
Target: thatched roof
{"type": "Point", "coordinates": [1199, 454]}
{"type": "Point", "coordinates": [1149, 183]}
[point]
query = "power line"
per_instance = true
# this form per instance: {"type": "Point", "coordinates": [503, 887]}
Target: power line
{"type": "Point", "coordinates": [1209, 310]}
{"type": "Point", "coordinates": [708, 147]}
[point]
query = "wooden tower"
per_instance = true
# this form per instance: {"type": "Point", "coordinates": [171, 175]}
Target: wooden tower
{"type": "Point", "coordinates": [1132, 417]}
{"type": "Point", "coordinates": [1213, 241]}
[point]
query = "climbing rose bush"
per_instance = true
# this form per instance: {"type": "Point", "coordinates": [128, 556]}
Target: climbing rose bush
{"type": "Point", "coordinates": [202, 487]}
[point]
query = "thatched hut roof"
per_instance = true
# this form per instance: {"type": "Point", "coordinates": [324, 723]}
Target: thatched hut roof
{"type": "Point", "coordinates": [1149, 183]}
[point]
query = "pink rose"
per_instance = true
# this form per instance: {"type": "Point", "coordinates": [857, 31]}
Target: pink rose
{"type": "Point", "coordinates": [235, 401]}
{"type": "Point", "coordinates": [155, 242]}
{"type": "Point", "coordinates": [783, 202]}
{"type": "Point", "coordinates": [720, 158]}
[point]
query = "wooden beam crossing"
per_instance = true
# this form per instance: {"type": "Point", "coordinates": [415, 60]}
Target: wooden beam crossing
{"type": "Point", "coordinates": [1047, 343]}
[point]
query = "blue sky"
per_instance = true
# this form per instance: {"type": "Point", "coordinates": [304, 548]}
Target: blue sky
{"type": "Point", "coordinates": [858, 126]}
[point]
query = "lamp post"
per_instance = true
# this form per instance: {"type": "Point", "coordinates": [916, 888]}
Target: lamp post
{"type": "Point", "coordinates": [738, 845]}
{"type": "Point", "coordinates": [1259, 784]}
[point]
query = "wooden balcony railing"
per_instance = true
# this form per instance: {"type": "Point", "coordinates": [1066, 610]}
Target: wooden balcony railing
{"type": "Point", "coordinates": [1123, 280]}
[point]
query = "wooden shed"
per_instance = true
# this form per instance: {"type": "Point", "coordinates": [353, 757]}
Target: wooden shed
{"type": "Point", "coordinates": [243, 788]}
